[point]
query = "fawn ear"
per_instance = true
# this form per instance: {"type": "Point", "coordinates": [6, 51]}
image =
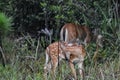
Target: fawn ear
{"type": "Point", "coordinates": [62, 46]}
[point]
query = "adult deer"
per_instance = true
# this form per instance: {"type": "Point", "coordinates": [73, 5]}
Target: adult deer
{"type": "Point", "coordinates": [71, 52]}
{"type": "Point", "coordinates": [70, 32]}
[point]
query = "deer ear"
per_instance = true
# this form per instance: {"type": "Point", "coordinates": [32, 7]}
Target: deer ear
{"type": "Point", "coordinates": [62, 46]}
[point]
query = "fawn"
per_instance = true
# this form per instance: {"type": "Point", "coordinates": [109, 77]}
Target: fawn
{"type": "Point", "coordinates": [72, 52]}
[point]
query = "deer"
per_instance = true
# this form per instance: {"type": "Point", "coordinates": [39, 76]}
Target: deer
{"type": "Point", "coordinates": [73, 53]}
{"type": "Point", "coordinates": [70, 32]}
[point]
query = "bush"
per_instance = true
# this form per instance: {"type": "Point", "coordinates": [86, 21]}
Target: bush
{"type": "Point", "coordinates": [5, 24]}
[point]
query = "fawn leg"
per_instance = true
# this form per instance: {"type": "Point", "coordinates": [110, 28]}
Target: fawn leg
{"type": "Point", "coordinates": [54, 66]}
{"type": "Point", "coordinates": [47, 69]}
{"type": "Point", "coordinates": [81, 69]}
{"type": "Point", "coordinates": [73, 70]}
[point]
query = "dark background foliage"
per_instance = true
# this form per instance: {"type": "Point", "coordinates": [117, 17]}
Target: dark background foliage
{"type": "Point", "coordinates": [31, 16]}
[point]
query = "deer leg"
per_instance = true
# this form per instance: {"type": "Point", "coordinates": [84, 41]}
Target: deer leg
{"type": "Point", "coordinates": [47, 69]}
{"type": "Point", "coordinates": [47, 66]}
{"type": "Point", "coordinates": [81, 69]}
{"type": "Point", "coordinates": [73, 70]}
{"type": "Point", "coordinates": [54, 66]}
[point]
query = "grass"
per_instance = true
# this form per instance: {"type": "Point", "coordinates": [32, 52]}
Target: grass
{"type": "Point", "coordinates": [22, 65]}
{"type": "Point", "coordinates": [33, 70]}
{"type": "Point", "coordinates": [106, 71]}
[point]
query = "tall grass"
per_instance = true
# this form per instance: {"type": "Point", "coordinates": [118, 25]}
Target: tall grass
{"type": "Point", "coordinates": [22, 71]}
{"type": "Point", "coordinates": [20, 67]}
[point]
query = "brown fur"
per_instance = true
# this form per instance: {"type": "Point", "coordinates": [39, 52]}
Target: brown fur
{"type": "Point", "coordinates": [75, 31]}
{"type": "Point", "coordinates": [71, 32]}
{"type": "Point", "coordinates": [73, 52]}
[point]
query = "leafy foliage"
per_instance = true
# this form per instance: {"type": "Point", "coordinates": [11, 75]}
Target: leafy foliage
{"type": "Point", "coordinates": [5, 23]}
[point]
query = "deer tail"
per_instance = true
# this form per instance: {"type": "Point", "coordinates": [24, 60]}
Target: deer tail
{"type": "Point", "coordinates": [64, 34]}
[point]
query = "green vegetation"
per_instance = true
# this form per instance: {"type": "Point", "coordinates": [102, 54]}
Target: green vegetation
{"type": "Point", "coordinates": [24, 54]}
{"type": "Point", "coordinates": [5, 23]}
{"type": "Point", "coordinates": [5, 26]}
